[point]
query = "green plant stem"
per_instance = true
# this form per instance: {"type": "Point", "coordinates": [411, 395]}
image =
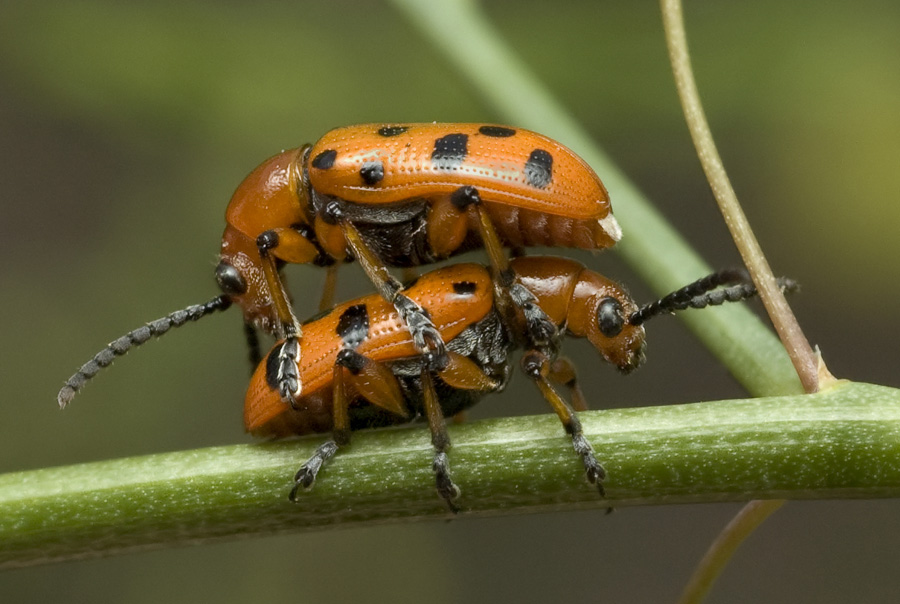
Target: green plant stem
{"type": "Point", "coordinates": [843, 442]}
{"type": "Point", "coordinates": [650, 246]}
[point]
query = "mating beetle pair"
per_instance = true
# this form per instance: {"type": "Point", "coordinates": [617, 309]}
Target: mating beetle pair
{"type": "Point", "coordinates": [406, 195]}
{"type": "Point", "coordinates": [402, 195]}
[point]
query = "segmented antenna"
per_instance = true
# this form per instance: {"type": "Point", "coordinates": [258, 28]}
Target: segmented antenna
{"type": "Point", "coordinates": [703, 292]}
{"type": "Point", "coordinates": [119, 347]}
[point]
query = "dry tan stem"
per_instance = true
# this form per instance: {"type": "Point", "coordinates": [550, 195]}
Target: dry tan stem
{"type": "Point", "coordinates": [809, 366]}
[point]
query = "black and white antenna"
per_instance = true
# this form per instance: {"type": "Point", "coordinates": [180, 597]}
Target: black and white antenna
{"type": "Point", "coordinates": [705, 292]}
{"type": "Point", "coordinates": [134, 338]}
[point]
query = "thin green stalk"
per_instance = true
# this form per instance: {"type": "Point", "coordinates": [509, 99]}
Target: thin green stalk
{"type": "Point", "coordinates": [843, 442]}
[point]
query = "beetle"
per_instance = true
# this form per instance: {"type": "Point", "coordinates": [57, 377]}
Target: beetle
{"type": "Point", "coordinates": [362, 368]}
{"type": "Point", "coordinates": [401, 195]}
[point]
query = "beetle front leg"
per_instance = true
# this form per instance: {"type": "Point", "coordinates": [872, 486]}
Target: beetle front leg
{"type": "Point", "coordinates": [306, 475]}
{"type": "Point", "coordinates": [286, 244]}
{"type": "Point", "coordinates": [537, 366]}
{"type": "Point", "coordinates": [562, 371]}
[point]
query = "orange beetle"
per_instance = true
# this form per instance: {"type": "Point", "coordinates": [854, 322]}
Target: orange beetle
{"type": "Point", "coordinates": [402, 195]}
{"type": "Point", "coordinates": [362, 369]}
{"type": "Point", "coordinates": [361, 336]}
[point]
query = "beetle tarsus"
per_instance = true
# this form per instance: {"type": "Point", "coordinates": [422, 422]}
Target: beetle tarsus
{"type": "Point", "coordinates": [446, 488]}
{"type": "Point", "coordinates": [306, 475]}
{"type": "Point", "coordinates": [593, 470]}
{"type": "Point", "coordinates": [289, 385]}
{"type": "Point", "coordinates": [426, 337]}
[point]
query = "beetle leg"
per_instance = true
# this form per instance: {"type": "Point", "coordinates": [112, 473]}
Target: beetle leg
{"type": "Point", "coordinates": [426, 337]}
{"type": "Point", "coordinates": [252, 337]}
{"type": "Point", "coordinates": [288, 245]}
{"type": "Point", "coordinates": [463, 373]}
{"type": "Point", "coordinates": [562, 371]}
{"type": "Point", "coordinates": [468, 196]}
{"type": "Point", "coordinates": [503, 276]}
{"type": "Point", "coordinates": [373, 381]}
{"type": "Point", "coordinates": [307, 473]}
{"type": "Point", "coordinates": [327, 300]}
{"type": "Point", "coordinates": [541, 332]}
{"type": "Point", "coordinates": [537, 366]}
{"type": "Point", "coordinates": [446, 488]}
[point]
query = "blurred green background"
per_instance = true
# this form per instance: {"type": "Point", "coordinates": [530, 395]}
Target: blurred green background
{"type": "Point", "coordinates": [126, 127]}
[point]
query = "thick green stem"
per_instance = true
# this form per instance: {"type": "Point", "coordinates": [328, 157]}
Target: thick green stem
{"type": "Point", "coordinates": [843, 442]}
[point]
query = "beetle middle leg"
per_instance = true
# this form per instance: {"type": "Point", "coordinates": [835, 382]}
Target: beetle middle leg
{"type": "Point", "coordinates": [371, 381]}
{"type": "Point", "coordinates": [426, 337]}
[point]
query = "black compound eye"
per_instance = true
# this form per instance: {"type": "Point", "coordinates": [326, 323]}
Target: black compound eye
{"type": "Point", "coordinates": [610, 317]}
{"type": "Point", "coordinates": [230, 280]}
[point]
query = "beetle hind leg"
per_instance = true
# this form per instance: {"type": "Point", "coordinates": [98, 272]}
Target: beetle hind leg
{"type": "Point", "coordinates": [440, 440]}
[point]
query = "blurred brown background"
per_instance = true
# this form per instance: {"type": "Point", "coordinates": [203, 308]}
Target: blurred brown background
{"type": "Point", "coordinates": [126, 127]}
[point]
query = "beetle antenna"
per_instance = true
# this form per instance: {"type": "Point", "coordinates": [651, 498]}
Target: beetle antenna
{"type": "Point", "coordinates": [704, 292]}
{"type": "Point", "coordinates": [120, 346]}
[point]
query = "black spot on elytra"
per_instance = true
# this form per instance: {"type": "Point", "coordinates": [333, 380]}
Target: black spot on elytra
{"type": "Point", "coordinates": [463, 197]}
{"type": "Point", "coordinates": [450, 151]}
{"type": "Point", "coordinates": [272, 367]}
{"type": "Point", "coordinates": [464, 288]}
{"type": "Point", "coordinates": [539, 168]}
{"type": "Point", "coordinates": [352, 360]}
{"type": "Point", "coordinates": [372, 171]}
{"type": "Point", "coordinates": [392, 130]}
{"type": "Point", "coordinates": [324, 160]}
{"type": "Point", "coordinates": [497, 131]}
{"type": "Point", "coordinates": [353, 325]}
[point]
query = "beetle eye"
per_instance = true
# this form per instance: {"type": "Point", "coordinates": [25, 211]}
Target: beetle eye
{"type": "Point", "coordinates": [610, 317]}
{"type": "Point", "coordinates": [230, 280]}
